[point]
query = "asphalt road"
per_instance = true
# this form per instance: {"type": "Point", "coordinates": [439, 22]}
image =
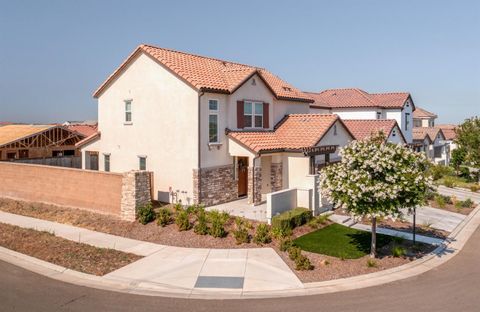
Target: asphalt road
{"type": "Point", "coordinates": [454, 286]}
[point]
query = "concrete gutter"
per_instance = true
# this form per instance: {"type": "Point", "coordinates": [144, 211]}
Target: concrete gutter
{"type": "Point", "coordinates": [452, 246]}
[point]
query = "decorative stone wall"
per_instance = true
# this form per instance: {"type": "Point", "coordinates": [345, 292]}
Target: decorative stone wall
{"type": "Point", "coordinates": [135, 193]}
{"type": "Point", "coordinates": [254, 185]}
{"type": "Point", "coordinates": [276, 176]}
{"type": "Point", "coordinates": [215, 185]}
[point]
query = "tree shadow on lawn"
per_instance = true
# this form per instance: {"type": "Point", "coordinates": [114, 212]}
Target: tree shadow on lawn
{"type": "Point", "coordinates": [363, 240]}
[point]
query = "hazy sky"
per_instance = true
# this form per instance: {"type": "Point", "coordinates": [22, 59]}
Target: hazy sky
{"type": "Point", "coordinates": [54, 54]}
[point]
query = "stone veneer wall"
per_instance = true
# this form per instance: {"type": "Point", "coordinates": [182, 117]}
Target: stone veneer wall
{"type": "Point", "coordinates": [276, 176]}
{"type": "Point", "coordinates": [217, 185]}
{"type": "Point", "coordinates": [254, 185]}
{"type": "Point", "coordinates": [135, 193]}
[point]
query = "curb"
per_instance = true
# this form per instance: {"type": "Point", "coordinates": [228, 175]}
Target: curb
{"type": "Point", "coordinates": [454, 243]}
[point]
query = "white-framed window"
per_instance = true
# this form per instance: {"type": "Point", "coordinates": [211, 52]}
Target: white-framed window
{"type": "Point", "coordinates": [142, 162]}
{"type": "Point", "coordinates": [253, 114]}
{"type": "Point", "coordinates": [128, 110]}
{"type": "Point", "coordinates": [212, 121]}
{"type": "Point", "coordinates": [106, 162]}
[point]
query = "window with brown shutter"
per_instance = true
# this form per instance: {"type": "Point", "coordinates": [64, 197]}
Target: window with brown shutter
{"type": "Point", "coordinates": [240, 118]}
{"type": "Point", "coordinates": [266, 119]}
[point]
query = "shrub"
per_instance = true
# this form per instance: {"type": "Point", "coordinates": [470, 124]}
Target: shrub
{"type": "Point", "coordinates": [430, 195]}
{"type": "Point", "coordinates": [294, 252]}
{"type": "Point", "coordinates": [201, 227]}
{"type": "Point", "coordinates": [449, 182]}
{"type": "Point", "coordinates": [439, 171]}
{"type": "Point", "coordinates": [440, 201]}
{"type": "Point", "coordinates": [398, 251]}
{"type": "Point", "coordinates": [183, 220]}
{"type": "Point", "coordinates": [302, 263]}
{"type": "Point", "coordinates": [292, 218]}
{"type": "Point", "coordinates": [280, 233]}
{"type": "Point", "coordinates": [217, 223]}
{"type": "Point", "coordinates": [474, 188]}
{"type": "Point", "coordinates": [285, 244]}
{"type": "Point", "coordinates": [164, 217]}
{"type": "Point", "coordinates": [262, 235]}
{"type": "Point", "coordinates": [241, 232]}
{"type": "Point", "coordinates": [371, 263]}
{"type": "Point", "coordinates": [146, 214]}
{"type": "Point", "coordinates": [467, 203]}
{"type": "Point", "coordinates": [316, 222]}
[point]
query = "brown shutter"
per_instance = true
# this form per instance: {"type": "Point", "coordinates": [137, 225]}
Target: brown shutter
{"type": "Point", "coordinates": [266, 116]}
{"type": "Point", "coordinates": [240, 117]}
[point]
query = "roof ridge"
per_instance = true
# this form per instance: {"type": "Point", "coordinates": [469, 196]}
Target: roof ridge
{"type": "Point", "coordinates": [365, 95]}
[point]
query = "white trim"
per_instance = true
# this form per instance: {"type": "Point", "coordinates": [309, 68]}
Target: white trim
{"type": "Point", "coordinates": [253, 114]}
{"type": "Point", "coordinates": [215, 113]}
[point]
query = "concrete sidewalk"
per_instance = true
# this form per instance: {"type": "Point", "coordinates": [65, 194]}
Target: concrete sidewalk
{"type": "Point", "coordinates": [184, 270]}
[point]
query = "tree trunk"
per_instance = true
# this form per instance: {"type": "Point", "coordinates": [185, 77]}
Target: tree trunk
{"type": "Point", "coordinates": [373, 247]}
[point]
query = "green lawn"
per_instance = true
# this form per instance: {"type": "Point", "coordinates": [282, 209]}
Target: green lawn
{"type": "Point", "coordinates": [340, 241]}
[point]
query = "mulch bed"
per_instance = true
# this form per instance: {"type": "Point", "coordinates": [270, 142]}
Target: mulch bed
{"type": "Point", "coordinates": [451, 208]}
{"type": "Point", "coordinates": [76, 256]}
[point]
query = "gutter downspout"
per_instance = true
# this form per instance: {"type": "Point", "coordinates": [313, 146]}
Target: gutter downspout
{"type": "Point", "coordinates": [199, 147]}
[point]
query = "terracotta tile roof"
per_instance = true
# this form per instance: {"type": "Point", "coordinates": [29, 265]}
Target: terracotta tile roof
{"type": "Point", "coordinates": [210, 74]}
{"type": "Point", "coordinates": [12, 133]}
{"type": "Point", "coordinates": [89, 139]}
{"type": "Point", "coordinates": [85, 130]}
{"type": "Point", "coordinates": [421, 113]}
{"type": "Point", "coordinates": [448, 131]}
{"type": "Point", "coordinates": [419, 133]}
{"type": "Point", "coordinates": [351, 98]}
{"type": "Point", "coordinates": [364, 128]}
{"type": "Point", "coordinates": [294, 132]}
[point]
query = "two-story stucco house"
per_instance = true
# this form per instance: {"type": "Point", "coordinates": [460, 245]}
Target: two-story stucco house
{"type": "Point", "coordinates": [431, 140]}
{"type": "Point", "coordinates": [211, 131]}
{"type": "Point", "coordinates": [423, 118]}
{"type": "Point", "coordinates": [358, 104]}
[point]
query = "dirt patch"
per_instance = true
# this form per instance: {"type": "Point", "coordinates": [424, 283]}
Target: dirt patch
{"type": "Point", "coordinates": [69, 254]}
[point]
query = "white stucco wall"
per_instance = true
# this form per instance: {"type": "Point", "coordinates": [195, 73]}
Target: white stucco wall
{"type": "Point", "coordinates": [341, 139]}
{"type": "Point", "coordinates": [397, 138]}
{"type": "Point", "coordinates": [163, 128]}
{"type": "Point", "coordinates": [356, 113]}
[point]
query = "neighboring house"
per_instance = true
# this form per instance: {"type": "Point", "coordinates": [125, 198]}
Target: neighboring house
{"type": "Point", "coordinates": [84, 129]}
{"type": "Point", "coordinates": [364, 128]}
{"type": "Point", "coordinates": [183, 117]}
{"type": "Point", "coordinates": [423, 118]}
{"type": "Point", "coordinates": [358, 104]}
{"type": "Point", "coordinates": [37, 141]}
{"type": "Point", "coordinates": [449, 131]}
{"type": "Point", "coordinates": [437, 150]}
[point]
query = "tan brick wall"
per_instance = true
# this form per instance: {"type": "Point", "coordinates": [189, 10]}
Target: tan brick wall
{"type": "Point", "coordinates": [92, 190]}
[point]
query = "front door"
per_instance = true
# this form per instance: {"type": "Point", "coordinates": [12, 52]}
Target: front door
{"type": "Point", "coordinates": [242, 176]}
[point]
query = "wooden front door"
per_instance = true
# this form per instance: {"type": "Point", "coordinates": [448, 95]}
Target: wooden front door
{"type": "Point", "coordinates": [242, 176]}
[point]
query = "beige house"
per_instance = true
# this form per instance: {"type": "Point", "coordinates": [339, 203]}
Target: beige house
{"type": "Point", "coordinates": [423, 118]}
{"type": "Point", "coordinates": [189, 119]}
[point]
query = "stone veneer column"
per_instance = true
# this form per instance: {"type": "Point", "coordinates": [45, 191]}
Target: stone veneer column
{"type": "Point", "coordinates": [254, 185]}
{"type": "Point", "coordinates": [276, 176]}
{"type": "Point", "coordinates": [215, 185]}
{"type": "Point", "coordinates": [135, 193]}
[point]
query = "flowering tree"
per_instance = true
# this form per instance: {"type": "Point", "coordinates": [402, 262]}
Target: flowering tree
{"type": "Point", "coordinates": [376, 179]}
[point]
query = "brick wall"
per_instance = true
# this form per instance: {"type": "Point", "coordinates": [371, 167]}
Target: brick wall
{"type": "Point", "coordinates": [92, 190]}
{"type": "Point", "coordinates": [276, 176]}
{"type": "Point", "coordinates": [215, 185]}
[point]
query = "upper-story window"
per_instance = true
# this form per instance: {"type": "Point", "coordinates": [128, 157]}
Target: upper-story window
{"type": "Point", "coordinates": [128, 110]}
{"type": "Point", "coordinates": [407, 121]}
{"type": "Point", "coordinates": [142, 162]}
{"type": "Point", "coordinates": [212, 121]}
{"type": "Point", "coordinates": [379, 115]}
{"type": "Point", "coordinates": [431, 123]}
{"type": "Point", "coordinates": [253, 114]}
{"type": "Point", "coordinates": [417, 122]}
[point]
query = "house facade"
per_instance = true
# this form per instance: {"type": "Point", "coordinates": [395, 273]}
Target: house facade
{"type": "Point", "coordinates": [364, 128]}
{"type": "Point", "coordinates": [358, 104]}
{"type": "Point", "coordinates": [182, 117]}
{"type": "Point", "coordinates": [432, 142]}
{"type": "Point", "coordinates": [423, 118]}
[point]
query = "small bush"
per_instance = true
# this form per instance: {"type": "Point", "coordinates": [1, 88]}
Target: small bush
{"type": "Point", "coordinates": [467, 203]}
{"type": "Point", "coordinates": [440, 201]}
{"type": "Point", "coordinates": [474, 188]}
{"type": "Point", "coordinates": [285, 244]}
{"type": "Point", "coordinates": [280, 233]}
{"type": "Point", "coordinates": [183, 220]}
{"type": "Point", "coordinates": [430, 195]}
{"type": "Point", "coordinates": [292, 218]}
{"type": "Point", "coordinates": [146, 214]}
{"type": "Point", "coordinates": [294, 253]}
{"type": "Point", "coordinates": [439, 171]}
{"type": "Point", "coordinates": [371, 263]}
{"type": "Point", "coordinates": [449, 182]}
{"type": "Point", "coordinates": [398, 251]}
{"type": "Point", "coordinates": [217, 223]}
{"type": "Point", "coordinates": [302, 263]}
{"type": "Point", "coordinates": [241, 232]}
{"type": "Point", "coordinates": [317, 222]}
{"type": "Point", "coordinates": [164, 217]}
{"type": "Point", "coordinates": [262, 235]}
{"type": "Point", "coordinates": [201, 228]}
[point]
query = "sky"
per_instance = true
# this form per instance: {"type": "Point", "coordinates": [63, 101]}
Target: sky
{"type": "Point", "coordinates": [54, 54]}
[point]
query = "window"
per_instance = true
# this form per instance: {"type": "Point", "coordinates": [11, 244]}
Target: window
{"type": "Point", "coordinates": [213, 121]}
{"type": "Point", "coordinates": [142, 162]}
{"type": "Point", "coordinates": [106, 162]}
{"type": "Point", "coordinates": [334, 129]}
{"type": "Point", "coordinates": [379, 115]}
{"type": "Point", "coordinates": [407, 121]}
{"type": "Point", "coordinates": [417, 122]}
{"type": "Point", "coordinates": [253, 114]}
{"type": "Point", "coordinates": [394, 132]}
{"type": "Point", "coordinates": [128, 110]}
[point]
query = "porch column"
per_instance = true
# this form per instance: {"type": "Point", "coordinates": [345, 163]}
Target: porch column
{"type": "Point", "coordinates": [255, 182]}
{"type": "Point", "coordinates": [276, 176]}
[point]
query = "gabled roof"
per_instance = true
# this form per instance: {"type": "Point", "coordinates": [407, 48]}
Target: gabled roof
{"type": "Point", "coordinates": [293, 132]}
{"type": "Point", "coordinates": [91, 138]}
{"type": "Point", "coordinates": [355, 98]}
{"type": "Point", "coordinates": [364, 128]}
{"type": "Point", "coordinates": [449, 131]}
{"type": "Point", "coordinates": [421, 113]}
{"type": "Point", "coordinates": [12, 133]}
{"type": "Point", "coordinates": [419, 133]}
{"type": "Point", "coordinates": [209, 74]}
